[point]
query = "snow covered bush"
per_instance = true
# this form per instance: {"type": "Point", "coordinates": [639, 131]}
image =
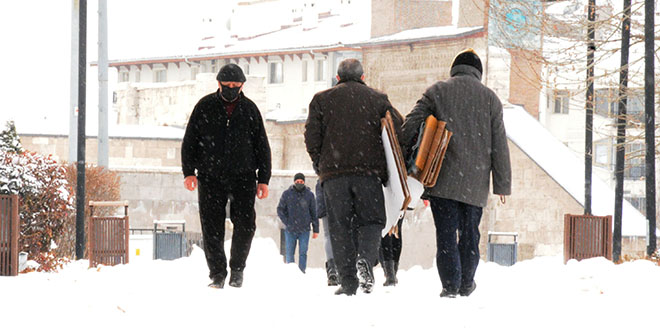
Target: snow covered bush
{"type": "Point", "coordinates": [45, 200]}
{"type": "Point", "coordinates": [9, 140]}
{"type": "Point", "coordinates": [100, 185]}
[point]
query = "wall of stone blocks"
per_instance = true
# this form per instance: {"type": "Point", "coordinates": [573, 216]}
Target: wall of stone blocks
{"type": "Point", "coordinates": [405, 71]}
{"type": "Point", "coordinates": [393, 16]}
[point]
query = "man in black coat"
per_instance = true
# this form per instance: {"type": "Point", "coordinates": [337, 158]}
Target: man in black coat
{"type": "Point", "coordinates": [225, 151]}
{"type": "Point", "coordinates": [343, 139]}
{"type": "Point", "coordinates": [478, 149]}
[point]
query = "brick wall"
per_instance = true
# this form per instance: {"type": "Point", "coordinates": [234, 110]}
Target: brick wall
{"type": "Point", "coordinates": [405, 71]}
{"type": "Point", "coordinates": [525, 80]}
{"type": "Point", "coordinates": [392, 16]}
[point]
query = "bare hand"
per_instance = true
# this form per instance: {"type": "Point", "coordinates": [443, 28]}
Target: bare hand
{"type": "Point", "coordinates": [315, 235]}
{"type": "Point", "coordinates": [190, 182]}
{"type": "Point", "coordinates": [503, 199]}
{"type": "Point", "coordinates": [262, 190]}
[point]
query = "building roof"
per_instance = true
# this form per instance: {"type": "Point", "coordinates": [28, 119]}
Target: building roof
{"type": "Point", "coordinates": [565, 168]}
{"type": "Point", "coordinates": [424, 34]}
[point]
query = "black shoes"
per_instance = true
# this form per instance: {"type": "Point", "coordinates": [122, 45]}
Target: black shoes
{"type": "Point", "coordinates": [448, 293]}
{"type": "Point", "coordinates": [366, 275]}
{"type": "Point", "coordinates": [345, 290]}
{"type": "Point", "coordinates": [466, 291]}
{"type": "Point", "coordinates": [218, 282]}
{"type": "Point", "coordinates": [331, 270]}
{"type": "Point", "coordinates": [236, 278]}
{"type": "Point", "coordinates": [390, 273]}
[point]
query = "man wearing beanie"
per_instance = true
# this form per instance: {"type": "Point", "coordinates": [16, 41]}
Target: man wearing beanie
{"type": "Point", "coordinates": [477, 149]}
{"type": "Point", "coordinates": [343, 139]}
{"type": "Point", "coordinates": [225, 152]}
{"type": "Point", "coordinates": [297, 210]}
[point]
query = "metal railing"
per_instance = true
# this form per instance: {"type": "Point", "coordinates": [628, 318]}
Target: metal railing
{"type": "Point", "coordinates": [9, 231]}
{"type": "Point", "coordinates": [587, 236]}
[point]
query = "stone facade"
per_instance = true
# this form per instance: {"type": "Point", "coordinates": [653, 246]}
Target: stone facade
{"type": "Point", "coordinates": [392, 16]}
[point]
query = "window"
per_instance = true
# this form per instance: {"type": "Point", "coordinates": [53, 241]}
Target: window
{"type": "Point", "coordinates": [635, 106]}
{"type": "Point", "coordinates": [246, 68]}
{"type": "Point", "coordinates": [639, 203]}
{"type": "Point", "coordinates": [606, 102]}
{"type": "Point", "coordinates": [320, 70]}
{"type": "Point", "coordinates": [602, 154]}
{"type": "Point", "coordinates": [160, 76]}
{"type": "Point", "coordinates": [304, 71]}
{"type": "Point", "coordinates": [275, 73]}
{"type": "Point", "coordinates": [123, 76]}
{"type": "Point", "coordinates": [194, 70]}
{"type": "Point", "coordinates": [561, 102]}
{"type": "Point", "coordinates": [138, 73]}
{"type": "Point", "coordinates": [214, 66]}
{"type": "Point", "coordinates": [635, 163]}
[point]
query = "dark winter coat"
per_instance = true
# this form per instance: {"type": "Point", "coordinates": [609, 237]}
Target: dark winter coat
{"type": "Point", "coordinates": [297, 210]}
{"type": "Point", "coordinates": [343, 131]}
{"type": "Point", "coordinates": [478, 146]}
{"type": "Point", "coordinates": [320, 201]}
{"type": "Point", "coordinates": [219, 146]}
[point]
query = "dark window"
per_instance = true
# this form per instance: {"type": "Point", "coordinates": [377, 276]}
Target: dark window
{"type": "Point", "coordinates": [635, 163]}
{"type": "Point", "coordinates": [561, 102]}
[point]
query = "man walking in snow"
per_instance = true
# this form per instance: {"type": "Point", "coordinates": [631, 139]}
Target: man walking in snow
{"type": "Point", "coordinates": [478, 148]}
{"type": "Point", "coordinates": [297, 211]}
{"type": "Point", "coordinates": [225, 151]}
{"type": "Point", "coordinates": [343, 139]}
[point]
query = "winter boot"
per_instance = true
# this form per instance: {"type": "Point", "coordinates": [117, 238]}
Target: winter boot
{"type": "Point", "coordinates": [396, 270]}
{"type": "Point", "coordinates": [467, 290]}
{"type": "Point", "coordinates": [236, 278]}
{"type": "Point", "coordinates": [449, 293]}
{"type": "Point", "coordinates": [345, 290]}
{"type": "Point", "coordinates": [218, 282]}
{"type": "Point", "coordinates": [366, 275]}
{"type": "Point", "coordinates": [388, 269]}
{"type": "Point", "coordinates": [331, 270]}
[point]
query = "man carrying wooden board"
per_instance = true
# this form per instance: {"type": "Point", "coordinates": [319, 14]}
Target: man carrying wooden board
{"type": "Point", "coordinates": [477, 149]}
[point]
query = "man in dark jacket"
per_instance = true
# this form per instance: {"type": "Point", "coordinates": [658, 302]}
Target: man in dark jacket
{"type": "Point", "coordinates": [343, 139]}
{"type": "Point", "coordinates": [478, 148]}
{"type": "Point", "coordinates": [297, 210]}
{"type": "Point", "coordinates": [225, 151]}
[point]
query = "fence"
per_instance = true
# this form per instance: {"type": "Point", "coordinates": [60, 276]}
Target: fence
{"type": "Point", "coordinates": [587, 236]}
{"type": "Point", "coordinates": [9, 231]}
{"type": "Point", "coordinates": [108, 236]}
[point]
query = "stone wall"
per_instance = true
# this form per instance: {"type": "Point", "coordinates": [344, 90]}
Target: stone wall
{"type": "Point", "coordinates": [405, 71]}
{"type": "Point", "coordinates": [392, 16]}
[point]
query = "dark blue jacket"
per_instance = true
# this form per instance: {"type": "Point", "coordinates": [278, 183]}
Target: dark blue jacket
{"type": "Point", "coordinates": [297, 209]}
{"type": "Point", "coordinates": [320, 201]}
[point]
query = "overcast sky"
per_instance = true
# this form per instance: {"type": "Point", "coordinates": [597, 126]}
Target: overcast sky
{"type": "Point", "coordinates": [36, 48]}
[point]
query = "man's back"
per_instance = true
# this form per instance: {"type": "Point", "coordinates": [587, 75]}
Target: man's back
{"type": "Point", "coordinates": [343, 130]}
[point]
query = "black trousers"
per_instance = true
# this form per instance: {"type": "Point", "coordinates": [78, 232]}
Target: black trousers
{"type": "Point", "coordinates": [213, 196]}
{"type": "Point", "coordinates": [356, 216]}
{"type": "Point", "coordinates": [457, 262]}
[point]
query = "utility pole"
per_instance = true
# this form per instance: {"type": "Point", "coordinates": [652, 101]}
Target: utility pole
{"type": "Point", "coordinates": [73, 101]}
{"type": "Point", "coordinates": [649, 109]}
{"type": "Point", "coordinates": [621, 123]}
{"type": "Point", "coordinates": [102, 138]}
{"type": "Point", "coordinates": [589, 118]}
{"type": "Point", "coordinates": [80, 184]}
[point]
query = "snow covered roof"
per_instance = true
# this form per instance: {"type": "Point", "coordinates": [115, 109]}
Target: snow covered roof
{"type": "Point", "coordinates": [330, 32]}
{"type": "Point", "coordinates": [424, 34]}
{"type": "Point", "coordinates": [563, 166]}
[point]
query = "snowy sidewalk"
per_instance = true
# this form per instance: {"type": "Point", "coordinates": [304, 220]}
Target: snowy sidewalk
{"type": "Point", "coordinates": [537, 294]}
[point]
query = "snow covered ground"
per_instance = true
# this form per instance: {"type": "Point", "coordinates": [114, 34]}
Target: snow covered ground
{"type": "Point", "coordinates": [542, 293]}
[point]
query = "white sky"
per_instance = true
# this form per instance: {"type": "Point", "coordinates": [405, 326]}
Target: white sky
{"type": "Point", "coordinates": [36, 48]}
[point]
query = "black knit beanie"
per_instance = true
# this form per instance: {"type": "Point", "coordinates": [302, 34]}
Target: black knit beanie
{"type": "Point", "coordinates": [231, 72]}
{"type": "Point", "coordinates": [299, 176]}
{"type": "Point", "coordinates": [468, 57]}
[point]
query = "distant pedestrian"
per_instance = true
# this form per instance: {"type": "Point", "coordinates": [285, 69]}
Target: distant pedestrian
{"type": "Point", "coordinates": [478, 148]}
{"type": "Point", "coordinates": [225, 151]}
{"type": "Point", "coordinates": [297, 210]}
{"type": "Point", "coordinates": [343, 139]}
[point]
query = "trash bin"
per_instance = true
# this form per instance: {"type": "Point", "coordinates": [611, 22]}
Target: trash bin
{"type": "Point", "coordinates": [169, 241]}
{"type": "Point", "coordinates": [505, 254]}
